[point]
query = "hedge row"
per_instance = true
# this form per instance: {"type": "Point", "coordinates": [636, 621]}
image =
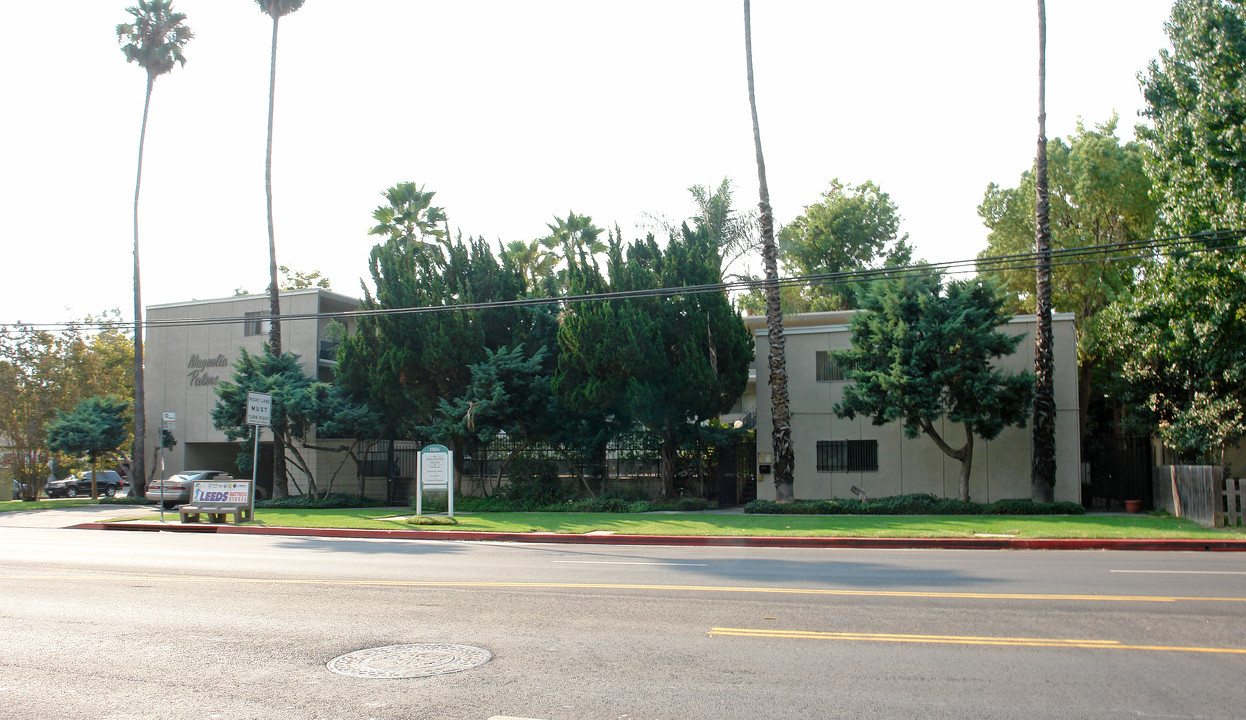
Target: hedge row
{"type": "Point", "coordinates": [332, 501]}
{"type": "Point", "coordinates": [916, 504]}
{"type": "Point", "coordinates": [607, 503]}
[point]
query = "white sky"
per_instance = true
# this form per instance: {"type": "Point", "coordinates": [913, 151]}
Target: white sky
{"type": "Point", "coordinates": [513, 113]}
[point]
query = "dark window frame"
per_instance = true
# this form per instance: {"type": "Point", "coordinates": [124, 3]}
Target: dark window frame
{"type": "Point", "coordinates": [847, 456]}
{"type": "Point", "coordinates": [825, 369]}
{"type": "Point", "coordinates": [253, 323]}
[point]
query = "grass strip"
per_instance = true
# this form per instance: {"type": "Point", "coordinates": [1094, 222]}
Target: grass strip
{"type": "Point", "coordinates": [700, 524]}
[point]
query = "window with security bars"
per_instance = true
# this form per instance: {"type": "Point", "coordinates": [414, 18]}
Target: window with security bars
{"type": "Point", "coordinates": [847, 456]}
{"type": "Point", "coordinates": [827, 369]}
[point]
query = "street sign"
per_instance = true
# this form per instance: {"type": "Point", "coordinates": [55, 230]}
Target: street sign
{"type": "Point", "coordinates": [259, 409]}
{"type": "Point", "coordinates": [169, 417]}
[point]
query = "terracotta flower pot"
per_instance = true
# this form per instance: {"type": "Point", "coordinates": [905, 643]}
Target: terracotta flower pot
{"type": "Point", "coordinates": [1133, 506]}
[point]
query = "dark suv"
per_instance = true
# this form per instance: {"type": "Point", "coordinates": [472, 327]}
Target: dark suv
{"type": "Point", "coordinates": [107, 484]}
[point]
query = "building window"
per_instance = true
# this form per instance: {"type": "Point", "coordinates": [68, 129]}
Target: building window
{"type": "Point", "coordinates": [827, 369]}
{"type": "Point", "coordinates": [847, 456]}
{"type": "Point", "coordinates": [252, 324]}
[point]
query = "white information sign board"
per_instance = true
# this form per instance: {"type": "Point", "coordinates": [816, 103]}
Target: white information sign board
{"type": "Point", "coordinates": [435, 472]}
{"type": "Point", "coordinates": [259, 409]}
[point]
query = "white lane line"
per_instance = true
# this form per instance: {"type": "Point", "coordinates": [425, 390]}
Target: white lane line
{"type": "Point", "coordinates": [619, 562]}
{"type": "Point", "coordinates": [1181, 572]}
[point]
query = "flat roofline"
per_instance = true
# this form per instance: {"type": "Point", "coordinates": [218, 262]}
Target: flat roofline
{"type": "Point", "coordinates": [326, 294]}
{"type": "Point", "coordinates": [839, 319]}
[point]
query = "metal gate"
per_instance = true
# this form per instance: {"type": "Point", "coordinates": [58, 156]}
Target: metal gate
{"type": "Point", "coordinates": [737, 474]}
{"type": "Point", "coordinates": [1120, 470]}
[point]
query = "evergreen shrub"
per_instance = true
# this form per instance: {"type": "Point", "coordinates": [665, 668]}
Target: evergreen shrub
{"type": "Point", "coordinates": [535, 484]}
{"type": "Point", "coordinates": [332, 501]}
{"type": "Point", "coordinates": [915, 504]}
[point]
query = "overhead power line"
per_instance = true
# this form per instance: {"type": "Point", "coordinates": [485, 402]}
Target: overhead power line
{"type": "Point", "coordinates": [1219, 241]}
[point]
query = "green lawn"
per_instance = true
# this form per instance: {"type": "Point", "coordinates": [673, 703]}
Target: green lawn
{"type": "Point", "coordinates": [1061, 526]}
{"type": "Point", "coordinates": [923, 526]}
{"type": "Point", "coordinates": [45, 504]}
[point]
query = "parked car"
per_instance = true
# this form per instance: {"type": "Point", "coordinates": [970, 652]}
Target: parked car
{"type": "Point", "coordinates": [176, 489]}
{"type": "Point", "coordinates": [106, 484]}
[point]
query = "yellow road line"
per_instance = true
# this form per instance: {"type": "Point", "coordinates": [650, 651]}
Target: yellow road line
{"type": "Point", "coordinates": [964, 640]}
{"type": "Point", "coordinates": [629, 586]}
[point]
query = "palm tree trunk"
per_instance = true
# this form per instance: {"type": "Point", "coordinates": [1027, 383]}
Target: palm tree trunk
{"type": "Point", "coordinates": [280, 488]}
{"type": "Point", "coordinates": [1043, 468]}
{"type": "Point", "coordinates": [781, 424]}
{"type": "Point", "coordinates": [274, 301]}
{"type": "Point", "coordinates": [138, 478]}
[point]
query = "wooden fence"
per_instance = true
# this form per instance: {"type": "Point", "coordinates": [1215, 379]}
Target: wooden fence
{"type": "Point", "coordinates": [1234, 502]}
{"type": "Point", "coordinates": [1200, 493]}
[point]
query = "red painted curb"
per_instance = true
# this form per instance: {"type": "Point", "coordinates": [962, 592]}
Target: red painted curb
{"type": "Point", "coordinates": [1217, 545]}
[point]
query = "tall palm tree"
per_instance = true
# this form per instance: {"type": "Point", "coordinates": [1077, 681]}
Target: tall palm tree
{"type": "Point", "coordinates": [533, 260]}
{"type": "Point", "coordinates": [410, 217]}
{"type": "Point", "coordinates": [575, 235]}
{"type": "Point", "coordinates": [154, 40]}
{"type": "Point", "coordinates": [781, 416]}
{"type": "Point", "coordinates": [276, 9]}
{"type": "Point", "coordinates": [1043, 466]}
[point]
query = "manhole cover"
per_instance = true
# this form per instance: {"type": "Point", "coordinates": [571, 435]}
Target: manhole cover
{"type": "Point", "coordinates": [409, 661]}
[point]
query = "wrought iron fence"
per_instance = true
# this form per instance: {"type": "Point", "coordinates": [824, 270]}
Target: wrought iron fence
{"type": "Point", "coordinates": [632, 460]}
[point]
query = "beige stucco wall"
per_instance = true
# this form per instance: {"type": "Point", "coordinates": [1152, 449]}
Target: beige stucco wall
{"type": "Point", "coordinates": [1001, 468]}
{"type": "Point", "coordinates": [184, 362]}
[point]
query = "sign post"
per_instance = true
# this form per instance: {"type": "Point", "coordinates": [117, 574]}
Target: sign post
{"type": "Point", "coordinates": [435, 472]}
{"type": "Point", "coordinates": [168, 421]}
{"type": "Point", "coordinates": [259, 412]}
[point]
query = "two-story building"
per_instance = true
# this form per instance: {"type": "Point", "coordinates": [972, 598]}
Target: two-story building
{"type": "Point", "coordinates": [833, 454]}
{"type": "Point", "coordinates": [190, 347]}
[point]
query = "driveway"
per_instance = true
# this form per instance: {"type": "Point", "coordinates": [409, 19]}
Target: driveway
{"type": "Point", "coordinates": [42, 517]}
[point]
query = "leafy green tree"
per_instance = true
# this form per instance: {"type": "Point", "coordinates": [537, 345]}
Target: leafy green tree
{"type": "Point", "coordinates": [850, 228]}
{"type": "Point", "coordinates": [406, 363]}
{"type": "Point", "coordinates": [95, 426]}
{"type": "Point", "coordinates": [1099, 198]}
{"type": "Point", "coordinates": [574, 240]}
{"type": "Point", "coordinates": [509, 395]}
{"type": "Point", "coordinates": [34, 383]}
{"type": "Point", "coordinates": [296, 280]}
{"type": "Point", "coordinates": [42, 372]}
{"type": "Point", "coordinates": [922, 351]}
{"type": "Point", "coordinates": [668, 362]}
{"type": "Point", "coordinates": [1180, 345]}
{"type": "Point", "coordinates": [734, 232]}
{"type": "Point", "coordinates": [410, 218]}
{"type": "Point", "coordinates": [781, 414]}
{"type": "Point", "coordinates": [155, 41]}
{"type": "Point", "coordinates": [1196, 103]}
{"type": "Point", "coordinates": [295, 410]}
{"type": "Point", "coordinates": [532, 259]}
{"type": "Point", "coordinates": [337, 417]}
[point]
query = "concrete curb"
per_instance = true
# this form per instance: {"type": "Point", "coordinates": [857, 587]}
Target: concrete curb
{"type": "Point", "coordinates": [1184, 545]}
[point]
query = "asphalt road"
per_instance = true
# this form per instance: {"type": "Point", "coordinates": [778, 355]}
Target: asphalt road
{"type": "Point", "coordinates": [163, 625]}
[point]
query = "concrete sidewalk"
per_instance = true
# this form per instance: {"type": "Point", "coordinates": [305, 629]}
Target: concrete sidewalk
{"type": "Point", "coordinates": [152, 524]}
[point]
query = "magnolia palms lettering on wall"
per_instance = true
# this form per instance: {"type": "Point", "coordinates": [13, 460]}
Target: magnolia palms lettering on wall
{"type": "Point", "coordinates": [199, 374]}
